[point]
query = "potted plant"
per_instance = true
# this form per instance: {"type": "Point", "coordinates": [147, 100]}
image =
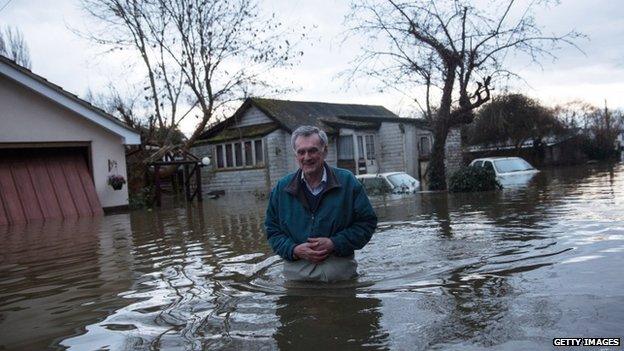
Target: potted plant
{"type": "Point", "coordinates": [116, 181]}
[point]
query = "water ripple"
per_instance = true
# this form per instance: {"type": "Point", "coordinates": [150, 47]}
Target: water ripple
{"type": "Point", "coordinates": [443, 271]}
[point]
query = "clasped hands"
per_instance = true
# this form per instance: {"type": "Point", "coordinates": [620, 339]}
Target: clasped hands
{"type": "Point", "coordinates": [316, 250]}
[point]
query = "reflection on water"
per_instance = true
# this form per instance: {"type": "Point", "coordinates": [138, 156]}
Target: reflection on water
{"type": "Point", "coordinates": [506, 270]}
{"type": "Point", "coordinates": [325, 321]}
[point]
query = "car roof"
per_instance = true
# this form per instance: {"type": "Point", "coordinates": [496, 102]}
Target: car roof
{"type": "Point", "coordinates": [495, 158]}
{"type": "Point", "coordinates": [377, 175]}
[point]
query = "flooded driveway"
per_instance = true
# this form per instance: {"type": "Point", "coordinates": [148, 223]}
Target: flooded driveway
{"type": "Point", "coordinates": [506, 270]}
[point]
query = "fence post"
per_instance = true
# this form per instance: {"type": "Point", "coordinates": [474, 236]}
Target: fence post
{"type": "Point", "coordinates": [198, 180]}
{"type": "Point", "coordinates": [157, 183]}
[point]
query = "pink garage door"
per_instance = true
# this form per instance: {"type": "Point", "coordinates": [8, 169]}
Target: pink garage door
{"type": "Point", "coordinates": [39, 184]}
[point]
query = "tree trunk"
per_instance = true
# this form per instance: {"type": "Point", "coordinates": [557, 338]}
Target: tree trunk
{"type": "Point", "coordinates": [199, 129]}
{"type": "Point", "coordinates": [436, 168]}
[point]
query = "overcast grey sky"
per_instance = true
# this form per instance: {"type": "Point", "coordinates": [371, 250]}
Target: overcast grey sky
{"type": "Point", "coordinates": [77, 65]}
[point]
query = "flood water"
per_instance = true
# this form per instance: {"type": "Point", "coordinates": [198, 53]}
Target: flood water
{"type": "Point", "coordinates": [506, 270]}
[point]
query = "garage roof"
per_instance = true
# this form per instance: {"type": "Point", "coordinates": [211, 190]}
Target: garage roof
{"type": "Point", "coordinates": [43, 87]}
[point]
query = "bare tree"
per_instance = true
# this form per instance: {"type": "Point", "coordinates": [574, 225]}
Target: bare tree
{"type": "Point", "coordinates": [599, 128]}
{"type": "Point", "coordinates": [128, 108]}
{"type": "Point", "coordinates": [452, 48]}
{"type": "Point", "coordinates": [603, 128]}
{"type": "Point", "coordinates": [576, 114]}
{"type": "Point", "coordinates": [13, 46]}
{"type": "Point", "coordinates": [198, 55]}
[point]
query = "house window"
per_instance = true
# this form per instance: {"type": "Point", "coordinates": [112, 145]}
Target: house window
{"type": "Point", "coordinates": [360, 143]}
{"type": "Point", "coordinates": [424, 145]}
{"type": "Point", "coordinates": [259, 152]}
{"type": "Point", "coordinates": [370, 147]}
{"type": "Point", "coordinates": [229, 160]}
{"type": "Point", "coordinates": [248, 154]}
{"type": "Point", "coordinates": [240, 154]}
{"type": "Point", "coordinates": [345, 147]}
{"type": "Point", "coordinates": [365, 147]}
{"type": "Point", "coordinates": [219, 151]}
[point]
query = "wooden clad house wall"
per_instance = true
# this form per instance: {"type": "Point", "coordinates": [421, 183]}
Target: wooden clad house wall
{"type": "Point", "coordinates": [252, 117]}
{"type": "Point", "coordinates": [391, 145]}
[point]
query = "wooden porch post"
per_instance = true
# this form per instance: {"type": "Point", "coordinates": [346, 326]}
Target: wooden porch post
{"type": "Point", "coordinates": [187, 183]}
{"type": "Point", "coordinates": [198, 181]}
{"type": "Point", "coordinates": [157, 183]}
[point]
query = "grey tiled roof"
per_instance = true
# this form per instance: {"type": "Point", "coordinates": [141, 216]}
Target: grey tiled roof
{"type": "Point", "coordinates": [328, 116]}
{"type": "Point", "coordinates": [292, 114]}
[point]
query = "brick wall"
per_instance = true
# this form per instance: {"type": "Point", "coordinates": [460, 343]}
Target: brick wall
{"type": "Point", "coordinates": [453, 153]}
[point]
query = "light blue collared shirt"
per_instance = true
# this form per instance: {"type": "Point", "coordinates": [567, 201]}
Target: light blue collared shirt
{"type": "Point", "coordinates": [320, 187]}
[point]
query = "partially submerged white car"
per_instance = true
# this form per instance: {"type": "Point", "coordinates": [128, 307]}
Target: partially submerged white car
{"type": "Point", "coordinates": [390, 182]}
{"type": "Point", "coordinates": [508, 170]}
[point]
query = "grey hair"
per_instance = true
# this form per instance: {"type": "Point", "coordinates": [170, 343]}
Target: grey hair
{"type": "Point", "coordinates": [307, 131]}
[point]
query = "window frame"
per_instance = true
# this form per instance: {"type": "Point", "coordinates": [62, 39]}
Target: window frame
{"type": "Point", "coordinates": [348, 144]}
{"type": "Point", "coordinates": [370, 151]}
{"type": "Point", "coordinates": [421, 152]}
{"type": "Point", "coordinates": [358, 144]}
{"type": "Point", "coordinates": [243, 162]}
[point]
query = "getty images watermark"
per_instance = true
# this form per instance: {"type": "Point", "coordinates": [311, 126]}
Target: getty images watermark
{"type": "Point", "coordinates": [586, 342]}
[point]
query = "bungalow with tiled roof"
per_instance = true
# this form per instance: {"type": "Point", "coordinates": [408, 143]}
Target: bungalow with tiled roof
{"type": "Point", "coordinates": [251, 149]}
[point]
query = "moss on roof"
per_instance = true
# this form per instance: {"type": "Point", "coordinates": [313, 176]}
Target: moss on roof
{"type": "Point", "coordinates": [233, 133]}
{"type": "Point", "coordinates": [289, 115]}
{"type": "Point", "coordinates": [321, 114]}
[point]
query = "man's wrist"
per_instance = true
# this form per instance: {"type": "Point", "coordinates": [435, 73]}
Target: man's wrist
{"type": "Point", "coordinates": [294, 254]}
{"type": "Point", "coordinates": [334, 246]}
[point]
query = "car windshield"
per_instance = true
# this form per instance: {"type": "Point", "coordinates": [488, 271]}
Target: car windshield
{"type": "Point", "coordinates": [512, 165]}
{"type": "Point", "coordinates": [402, 180]}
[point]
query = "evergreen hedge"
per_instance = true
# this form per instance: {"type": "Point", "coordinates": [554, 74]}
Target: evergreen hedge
{"type": "Point", "coordinates": [471, 179]}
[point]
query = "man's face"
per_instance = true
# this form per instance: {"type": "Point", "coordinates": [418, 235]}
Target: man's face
{"type": "Point", "coordinates": [310, 154]}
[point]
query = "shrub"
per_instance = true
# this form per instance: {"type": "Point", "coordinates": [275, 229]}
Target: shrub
{"type": "Point", "coordinates": [599, 148]}
{"type": "Point", "coordinates": [141, 199]}
{"type": "Point", "coordinates": [470, 179]}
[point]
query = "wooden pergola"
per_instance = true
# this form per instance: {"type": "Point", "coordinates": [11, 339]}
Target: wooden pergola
{"type": "Point", "coordinates": [167, 161]}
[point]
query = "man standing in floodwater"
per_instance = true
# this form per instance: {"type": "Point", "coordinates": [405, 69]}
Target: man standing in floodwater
{"type": "Point", "coordinates": [318, 216]}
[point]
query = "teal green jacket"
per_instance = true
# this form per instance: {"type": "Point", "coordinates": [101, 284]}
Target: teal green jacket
{"type": "Point", "coordinates": [344, 214]}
